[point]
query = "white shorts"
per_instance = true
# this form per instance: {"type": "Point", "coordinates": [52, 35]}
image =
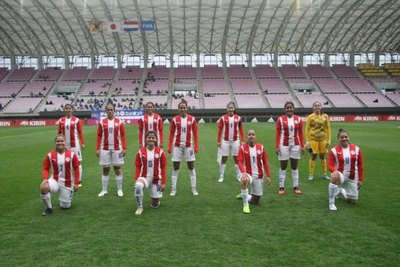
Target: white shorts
{"type": "Point", "coordinates": [65, 194]}
{"type": "Point", "coordinates": [286, 152]}
{"type": "Point", "coordinates": [108, 157]}
{"type": "Point", "coordinates": [350, 186]}
{"type": "Point", "coordinates": [77, 152]}
{"type": "Point", "coordinates": [155, 190]}
{"type": "Point", "coordinates": [256, 185]}
{"type": "Point", "coordinates": [230, 146]}
{"type": "Point", "coordinates": [183, 153]}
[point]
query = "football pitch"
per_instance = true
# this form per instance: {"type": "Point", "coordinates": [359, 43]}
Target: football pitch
{"type": "Point", "coordinates": [206, 230]}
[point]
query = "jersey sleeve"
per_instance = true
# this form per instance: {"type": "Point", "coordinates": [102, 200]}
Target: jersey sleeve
{"type": "Point", "coordinates": [123, 136]}
{"type": "Point", "coordinates": [171, 134]}
{"type": "Point", "coordinates": [99, 135]}
{"type": "Point", "coordinates": [308, 128]}
{"type": "Point", "coordinates": [46, 168]}
{"type": "Point", "coordinates": [265, 163]}
{"type": "Point", "coordinates": [240, 159]}
{"type": "Point", "coordinates": [220, 126]}
{"type": "Point", "coordinates": [301, 135]}
{"type": "Point", "coordinates": [331, 162]}
{"type": "Point", "coordinates": [140, 126]}
{"type": "Point", "coordinates": [328, 129]}
{"type": "Point", "coordinates": [241, 130]}
{"type": "Point", "coordinates": [75, 165]}
{"type": "Point", "coordinates": [80, 132]}
{"type": "Point", "coordinates": [138, 165]}
{"type": "Point", "coordinates": [163, 168]}
{"type": "Point", "coordinates": [161, 130]}
{"type": "Point", "coordinates": [196, 135]}
{"type": "Point", "coordinates": [278, 133]}
{"type": "Point", "coordinates": [360, 166]}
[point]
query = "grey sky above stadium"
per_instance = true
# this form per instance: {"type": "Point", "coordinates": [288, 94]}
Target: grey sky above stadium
{"type": "Point", "coordinates": [60, 27]}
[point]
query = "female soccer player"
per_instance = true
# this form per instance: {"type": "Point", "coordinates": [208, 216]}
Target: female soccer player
{"type": "Point", "coordinates": [346, 165]}
{"type": "Point", "coordinates": [230, 128]}
{"type": "Point", "coordinates": [182, 131]}
{"type": "Point", "coordinates": [64, 179]}
{"type": "Point", "coordinates": [71, 127]}
{"type": "Point", "coordinates": [150, 121]}
{"type": "Point", "coordinates": [111, 149]}
{"type": "Point", "coordinates": [151, 164]}
{"type": "Point", "coordinates": [318, 139]}
{"type": "Point", "coordinates": [253, 164]}
{"type": "Point", "coordinates": [289, 142]}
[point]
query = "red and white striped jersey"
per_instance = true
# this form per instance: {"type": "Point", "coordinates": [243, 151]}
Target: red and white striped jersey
{"type": "Point", "coordinates": [71, 128]}
{"type": "Point", "coordinates": [253, 160]}
{"type": "Point", "coordinates": [349, 161]}
{"type": "Point", "coordinates": [229, 128]}
{"type": "Point", "coordinates": [150, 123]}
{"type": "Point", "coordinates": [111, 135]}
{"type": "Point", "coordinates": [64, 167]}
{"type": "Point", "coordinates": [289, 131]}
{"type": "Point", "coordinates": [182, 132]}
{"type": "Point", "coordinates": [151, 164]}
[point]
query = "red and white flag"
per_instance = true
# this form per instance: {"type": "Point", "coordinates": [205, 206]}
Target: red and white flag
{"type": "Point", "coordinates": [113, 26]}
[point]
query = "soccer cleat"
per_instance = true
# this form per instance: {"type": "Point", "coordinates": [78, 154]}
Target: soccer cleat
{"type": "Point", "coordinates": [281, 191]}
{"type": "Point", "coordinates": [173, 193]}
{"type": "Point", "coordinates": [239, 196]}
{"type": "Point", "coordinates": [194, 192]}
{"type": "Point", "coordinates": [297, 191]}
{"type": "Point", "coordinates": [220, 180]}
{"type": "Point", "coordinates": [102, 193]}
{"type": "Point", "coordinates": [139, 211]}
{"type": "Point", "coordinates": [120, 193]}
{"type": "Point", "coordinates": [327, 177]}
{"type": "Point", "coordinates": [246, 209]}
{"type": "Point", "coordinates": [47, 211]}
{"type": "Point", "coordinates": [310, 177]}
{"type": "Point", "coordinates": [332, 207]}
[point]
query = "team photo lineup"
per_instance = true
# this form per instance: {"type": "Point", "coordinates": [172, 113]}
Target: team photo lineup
{"type": "Point", "coordinates": [62, 168]}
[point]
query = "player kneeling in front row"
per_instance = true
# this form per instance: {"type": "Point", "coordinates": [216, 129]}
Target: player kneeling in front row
{"type": "Point", "coordinates": [64, 179]}
{"type": "Point", "coordinates": [151, 164]}
{"type": "Point", "coordinates": [253, 164]}
{"type": "Point", "coordinates": [346, 165]}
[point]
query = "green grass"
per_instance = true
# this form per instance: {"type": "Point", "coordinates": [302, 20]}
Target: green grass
{"type": "Point", "coordinates": [208, 230]}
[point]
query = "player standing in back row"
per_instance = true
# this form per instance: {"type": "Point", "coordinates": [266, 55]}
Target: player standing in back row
{"type": "Point", "coordinates": [111, 149]}
{"type": "Point", "coordinates": [71, 127]}
{"type": "Point", "coordinates": [150, 121]}
{"type": "Point", "coordinates": [318, 139]}
{"type": "Point", "coordinates": [182, 132]}
{"type": "Point", "coordinates": [230, 128]}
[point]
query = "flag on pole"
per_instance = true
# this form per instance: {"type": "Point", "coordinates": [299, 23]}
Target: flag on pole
{"type": "Point", "coordinates": [130, 26]}
{"type": "Point", "coordinates": [112, 26]}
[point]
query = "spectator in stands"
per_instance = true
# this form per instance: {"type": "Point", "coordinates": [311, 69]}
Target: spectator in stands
{"type": "Point", "coordinates": [183, 130]}
{"type": "Point", "coordinates": [151, 163]}
{"type": "Point", "coordinates": [252, 174]}
{"type": "Point", "coordinates": [150, 121]}
{"type": "Point", "coordinates": [318, 139]}
{"type": "Point", "coordinates": [64, 179]}
{"type": "Point", "coordinates": [230, 136]}
{"type": "Point", "coordinates": [111, 149]}
{"type": "Point", "coordinates": [375, 100]}
{"type": "Point", "coordinates": [289, 142]}
{"type": "Point", "coordinates": [72, 128]}
{"type": "Point", "coordinates": [346, 164]}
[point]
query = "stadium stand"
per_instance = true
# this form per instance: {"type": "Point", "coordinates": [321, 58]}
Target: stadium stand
{"type": "Point", "coordinates": [76, 74]}
{"type": "Point", "coordinates": [266, 71]}
{"type": "Point", "coordinates": [22, 74]}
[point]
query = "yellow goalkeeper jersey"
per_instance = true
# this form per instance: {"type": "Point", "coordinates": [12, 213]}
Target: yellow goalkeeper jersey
{"type": "Point", "coordinates": [318, 127]}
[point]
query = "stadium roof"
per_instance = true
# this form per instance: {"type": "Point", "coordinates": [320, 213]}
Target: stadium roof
{"type": "Point", "coordinates": [61, 27]}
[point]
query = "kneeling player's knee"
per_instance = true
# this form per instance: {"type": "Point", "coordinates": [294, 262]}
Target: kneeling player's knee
{"type": "Point", "coordinates": [138, 187]}
{"type": "Point", "coordinates": [254, 200]}
{"type": "Point", "coordinates": [65, 205]}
